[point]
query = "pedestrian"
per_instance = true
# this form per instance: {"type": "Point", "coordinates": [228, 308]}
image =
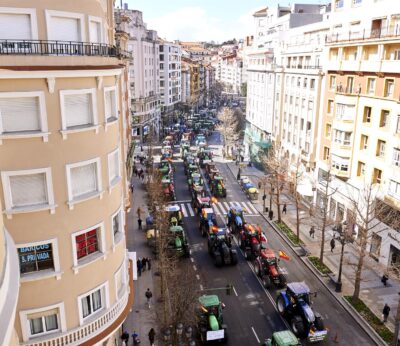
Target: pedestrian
{"type": "Point", "coordinates": [385, 312]}
{"type": "Point", "coordinates": [139, 221]}
{"type": "Point", "coordinates": [144, 262]}
{"type": "Point", "coordinates": [131, 187]}
{"type": "Point", "coordinates": [138, 212]}
{"type": "Point", "coordinates": [332, 244]}
{"type": "Point", "coordinates": [284, 208]}
{"type": "Point", "coordinates": [135, 337]}
{"type": "Point", "coordinates": [134, 171]}
{"type": "Point", "coordinates": [148, 263]}
{"type": "Point", "coordinates": [125, 338]}
{"type": "Point", "coordinates": [139, 266]}
{"type": "Point", "coordinates": [152, 336]}
{"type": "Point", "coordinates": [384, 279]}
{"type": "Point", "coordinates": [148, 295]}
{"type": "Point", "coordinates": [271, 214]}
{"type": "Point", "coordinates": [312, 231]}
{"type": "Point", "coordinates": [142, 177]}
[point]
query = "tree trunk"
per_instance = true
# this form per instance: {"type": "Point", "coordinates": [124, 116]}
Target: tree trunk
{"type": "Point", "coordinates": [324, 222]}
{"type": "Point", "coordinates": [278, 203]}
{"type": "Point", "coordinates": [360, 264]}
{"type": "Point", "coordinates": [297, 217]}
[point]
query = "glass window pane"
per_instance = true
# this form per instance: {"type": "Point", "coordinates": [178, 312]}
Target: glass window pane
{"type": "Point", "coordinates": [36, 325]}
{"type": "Point", "coordinates": [51, 322]}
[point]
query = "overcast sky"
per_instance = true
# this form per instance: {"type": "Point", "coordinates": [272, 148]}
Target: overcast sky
{"type": "Point", "coordinates": [203, 20]}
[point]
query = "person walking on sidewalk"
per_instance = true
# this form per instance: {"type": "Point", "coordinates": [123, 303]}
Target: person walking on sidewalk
{"type": "Point", "coordinates": [139, 266]}
{"type": "Point", "coordinates": [148, 295]}
{"type": "Point", "coordinates": [284, 208]}
{"type": "Point", "coordinates": [271, 214]}
{"type": "Point", "coordinates": [152, 336]}
{"type": "Point", "coordinates": [148, 263]}
{"type": "Point", "coordinates": [139, 222]}
{"type": "Point", "coordinates": [312, 231]}
{"type": "Point", "coordinates": [385, 312]}
{"type": "Point", "coordinates": [144, 262]}
{"type": "Point", "coordinates": [125, 338]}
{"type": "Point", "coordinates": [332, 244]}
{"type": "Point", "coordinates": [384, 279]}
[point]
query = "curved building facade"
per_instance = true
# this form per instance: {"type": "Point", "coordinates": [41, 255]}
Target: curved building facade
{"type": "Point", "coordinates": [63, 125]}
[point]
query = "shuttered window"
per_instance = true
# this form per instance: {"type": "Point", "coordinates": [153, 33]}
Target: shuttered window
{"type": "Point", "coordinates": [95, 33]}
{"type": "Point", "coordinates": [110, 103]}
{"type": "Point", "coordinates": [84, 180]}
{"type": "Point", "coordinates": [113, 164]}
{"type": "Point", "coordinates": [19, 114]}
{"type": "Point", "coordinates": [15, 26]}
{"type": "Point", "coordinates": [78, 110]}
{"type": "Point", "coordinates": [28, 189]}
{"type": "Point", "coordinates": [65, 29]}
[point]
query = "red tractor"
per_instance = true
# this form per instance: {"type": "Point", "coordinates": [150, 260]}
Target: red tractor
{"type": "Point", "coordinates": [251, 241]}
{"type": "Point", "coordinates": [266, 267]}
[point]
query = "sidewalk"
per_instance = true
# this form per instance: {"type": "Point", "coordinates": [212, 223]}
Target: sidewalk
{"type": "Point", "coordinates": [373, 293]}
{"type": "Point", "coordinates": [141, 319]}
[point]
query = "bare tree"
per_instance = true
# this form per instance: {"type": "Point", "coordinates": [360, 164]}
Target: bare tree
{"type": "Point", "coordinates": [296, 179]}
{"type": "Point", "coordinates": [229, 128]}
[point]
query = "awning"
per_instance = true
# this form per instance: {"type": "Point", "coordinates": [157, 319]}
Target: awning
{"type": "Point", "coordinates": [263, 145]}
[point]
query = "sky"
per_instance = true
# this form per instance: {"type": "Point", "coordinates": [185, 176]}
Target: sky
{"type": "Point", "coordinates": [203, 20]}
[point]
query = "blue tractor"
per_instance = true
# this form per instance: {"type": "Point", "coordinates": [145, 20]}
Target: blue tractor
{"type": "Point", "coordinates": [294, 304]}
{"type": "Point", "coordinates": [235, 219]}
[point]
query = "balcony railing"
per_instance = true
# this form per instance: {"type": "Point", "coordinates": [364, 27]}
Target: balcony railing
{"type": "Point", "coordinates": [340, 89]}
{"type": "Point", "coordinates": [60, 48]}
{"type": "Point", "coordinates": [387, 32]}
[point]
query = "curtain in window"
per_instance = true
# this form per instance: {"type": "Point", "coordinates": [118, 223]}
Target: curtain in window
{"type": "Point", "coordinates": [51, 322]}
{"type": "Point", "coordinates": [109, 101]}
{"type": "Point", "coordinates": [114, 163]}
{"type": "Point", "coordinates": [78, 110]}
{"type": "Point", "coordinates": [96, 296]}
{"type": "Point", "coordinates": [84, 179]}
{"type": "Point", "coordinates": [115, 224]}
{"type": "Point", "coordinates": [29, 189]}
{"type": "Point", "coordinates": [86, 308]}
{"type": "Point", "coordinates": [36, 325]}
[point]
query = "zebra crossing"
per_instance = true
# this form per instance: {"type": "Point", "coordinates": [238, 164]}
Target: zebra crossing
{"type": "Point", "coordinates": [220, 208]}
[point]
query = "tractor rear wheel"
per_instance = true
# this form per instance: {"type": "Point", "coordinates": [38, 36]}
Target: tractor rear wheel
{"type": "Point", "coordinates": [282, 280]}
{"type": "Point", "coordinates": [257, 268]}
{"type": "Point", "coordinates": [242, 245]}
{"type": "Point", "coordinates": [298, 327]}
{"type": "Point", "coordinates": [234, 258]}
{"type": "Point", "coordinates": [247, 254]}
{"type": "Point", "coordinates": [319, 323]}
{"type": "Point", "coordinates": [280, 305]}
{"type": "Point", "coordinates": [266, 281]}
{"type": "Point", "coordinates": [217, 259]}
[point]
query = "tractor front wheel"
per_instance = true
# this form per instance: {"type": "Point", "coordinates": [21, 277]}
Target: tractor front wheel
{"type": "Point", "coordinates": [282, 280]}
{"type": "Point", "coordinates": [257, 268]}
{"type": "Point", "coordinates": [319, 323]}
{"type": "Point", "coordinates": [217, 259]}
{"type": "Point", "coordinates": [280, 305]}
{"type": "Point", "coordinates": [298, 327]}
{"type": "Point", "coordinates": [266, 281]}
{"type": "Point", "coordinates": [234, 258]}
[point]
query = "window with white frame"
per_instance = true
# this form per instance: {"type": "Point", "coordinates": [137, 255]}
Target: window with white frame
{"type": "Point", "coordinates": [87, 242]}
{"type": "Point", "coordinates": [340, 163]}
{"type": "Point", "coordinates": [114, 171]}
{"type": "Point", "coordinates": [28, 190]}
{"type": "Point", "coordinates": [36, 258]}
{"type": "Point", "coordinates": [65, 26]}
{"type": "Point", "coordinates": [371, 86]}
{"type": "Point", "coordinates": [83, 179]}
{"type": "Point", "coordinates": [396, 157]}
{"type": "Point", "coordinates": [18, 24]}
{"type": "Point", "coordinates": [117, 224]}
{"type": "Point", "coordinates": [110, 104]}
{"type": "Point", "coordinates": [78, 108]}
{"type": "Point", "coordinates": [394, 189]}
{"type": "Point", "coordinates": [398, 124]}
{"type": "Point", "coordinates": [22, 112]}
{"type": "Point", "coordinates": [120, 280]}
{"type": "Point", "coordinates": [95, 30]}
{"type": "Point", "coordinates": [93, 302]}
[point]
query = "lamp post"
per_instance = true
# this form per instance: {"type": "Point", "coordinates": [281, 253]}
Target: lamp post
{"type": "Point", "coordinates": [178, 336]}
{"type": "Point", "coordinates": [343, 238]}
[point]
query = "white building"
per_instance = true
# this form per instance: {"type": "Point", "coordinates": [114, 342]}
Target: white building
{"type": "Point", "coordinates": [170, 75]}
{"type": "Point", "coordinates": [230, 73]}
{"type": "Point", "coordinates": [185, 83]}
{"type": "Point", "coordinates": [144, 77]}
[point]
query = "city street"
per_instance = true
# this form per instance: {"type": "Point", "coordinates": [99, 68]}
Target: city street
{"type": "Point", "coordinates": [250, 310]}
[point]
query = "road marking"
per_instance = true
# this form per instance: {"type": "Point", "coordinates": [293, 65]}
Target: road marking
{"type": "Point", "coordinates": [181, 201]}
{"type": "Point", "coordinates": [234, 290]}
{"type": "Point", "coordinates": [184, 210]}
{"type": "Point", "coordinates": [197, 276]}
{"type": "Point", "coordinates": [195, 268]}
{"type": "Point", "coordinates": [189, 206]}
{"type": "Point", "coordinates": [226, 205]}
{"type": "Point", "coordinates": [192, 259]}
{"type": "Point", "coordinates": [201, 288]}
{"type": "Point", "coordinates": [251, 207]}
{"type": "Point", "coordinates": [255, 334]}
{"type": "Point", "coordinates": [216, 210]}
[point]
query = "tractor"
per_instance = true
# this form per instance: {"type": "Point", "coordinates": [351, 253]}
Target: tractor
{"type": "Point", "coordinates": [220, 247]}
{"type": "Point", "coordinates": [199, 203]}
{"type": "Point", "coordinates": [185, 145]}
{"type": "Point", "coordinates": [235, 219]}
{"type": "Point", "coordinates": [267, 268]}
{"type": "Point", "coordinates": [168, 189]}
{"type": "Point", "coordinates": [282, 338]}
{"type": "Point", "coordinates": [174, 214]}
{"type": "Point", "coordinates": [211, 326]}
{"type": "Point", "coordinates": [250, 240]}
{"type": "Point", "coordinates": [191, 169]}
{"type": "Point", "coordinates": [294, 304]}
{"type": "Point", "coordinates": [208, 222]}
{"type": "Point", "coordinates": [195, 179]}
{"type": "Point", "coordinates": [177, 242]}
{"type": "Point", "coordinates": [165, 168]}
{"type": "Point", "coordinates": [218, 187]}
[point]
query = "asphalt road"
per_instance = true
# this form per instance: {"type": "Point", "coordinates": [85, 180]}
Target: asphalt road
{"type": "Point", "coordinates": [250, 311]}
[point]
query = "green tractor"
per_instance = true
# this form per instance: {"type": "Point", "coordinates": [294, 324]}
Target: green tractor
{"type": "Point", "coordinates": [218, 187]}
{"type": "Point", "coordinates": [283, 338]}
{"type": "Point", "coordinates": [211, 326]}
{"type": "Point", "coordinates": [185, 146]}
{"type": "Point", "coordinates": [178, 243]}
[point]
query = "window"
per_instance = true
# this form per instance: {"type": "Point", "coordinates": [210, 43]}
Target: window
{"type": "Point", "coordinates": [18, 24]}
{"type": "Point", "coordinates": [93, 302]}
{"type": "Point", "coordinates": [328, 130]}
{"type": "Point", "coordinates": [36, 258]}
{"type": "Point", "coordinates": [326, 153]}
{"type": "Point", "coordinates": [26, 191]}
{"type": "Point", "coordinates": [43, 324]}
{"type": "Point", "coordinates": [114, 170]}
{"type": "Point", "coordinates": [312, 84]}
{"type": "Point", "coordinates": [117, 224]}
{"type": "Point", "coordinates": [340, 110]}
{"type": "Point", "coordinates": [298, 81]}
{"type": "Point", "coordinates": [87, 243]}
{"type": "Point", "coordinates": [65, 26]}
{"type": "Point", "coordinates": [398, 124]}
{"type": "Point", "coordinates": [371, 86]}
{"type": "Point", "coordinates": [22, 113]}
{"type": "Point", "coordinates": [332, 82]}
{"type": "Point", "coordinates": [310, 106]}
{"type": "Point", "coordinates": [83, 180]}
{"type": "Point", "coordinates": [389, 87]}
{"type": "Point", "coordinates": [394, 188]}
{"type": "Point", "coordinates": [384, 121]}
{"type": "Point", "coordinates": [377, 176]}
{"type": "Point", "coordinates": [360, 169]}
{"type": "Point", "coordinates": [120, 281]}
{"type": "Point", "coordinates": [342, 138]}
{"type": "Point", "coordinates": [330, 106]}
{"type": "Point", "coordinates": [340, 164]}
{"type": "Point", "coordinates": [380, 148]}
{"type": "Point", "coordinates": [110, 104]}
{"type": "Point", "coordinates": [364, 142]}
{"type": "Point", "coordinates": [396, 157]}
{"type": "Point", "coordinates": [367, 114]}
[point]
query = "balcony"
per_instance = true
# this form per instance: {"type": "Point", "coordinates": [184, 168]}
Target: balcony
{"type": "Point", "coordinates": [390, 32]}
{"type": "Point", "coordinates": [61, 48]}
{"type": "Point", "coordinates": [340, 149]}
{"type": "Point", "coordinates": [348, 90]}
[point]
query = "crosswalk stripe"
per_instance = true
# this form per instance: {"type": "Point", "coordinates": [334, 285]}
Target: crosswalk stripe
{"type": "Point", "coordinates": [184, 210]}
{"type": "Point", "coordinates": [216, 210]}
{"type": "Point", "coordinates": [189, 206]}
{"type": "Point", "coordinates": [251, 208]}
{"type": "Point", "coordinates": [226, 205]}
{"type": "Point", "coordinates": [235, 204]}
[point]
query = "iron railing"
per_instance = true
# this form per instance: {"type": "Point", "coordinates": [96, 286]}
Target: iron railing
{"type": "Point", "coordinates": [61, 48]}
{"type": "Point", "coordinates": [384, 32]}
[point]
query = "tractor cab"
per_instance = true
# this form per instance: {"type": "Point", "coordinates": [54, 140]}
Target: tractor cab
{"type": "Point", "coordinates": [200, 203]}
{"type": "Point", "coordinates": [208, 222]}
{"type": "Point", "coordinates": [218, 187]}
{"type": "Point", "coordinates": [191, 169]}
{"type": "Point", "coordinates": [174, 214]}
{"type": "Point", "coordinates": [210, 322]}
{"type": "Point", "coordinates": [168, 188]}
{"type": "Point", "coordinates": [298, 292]}
{"type": "Point", "coordinates": [178, 241]}
{"type": "Point", "coordinates": [235, 219]}
{"type": "Point", "coordinates": [282, 338]}
{"type": "Point", "coordinates": [268, 256]}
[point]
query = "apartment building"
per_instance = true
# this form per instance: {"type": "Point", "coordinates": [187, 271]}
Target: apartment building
{"type": "Point", "coordinates": [64, 190]}
{"type": "Point", "coordinates": [185, 82]}
{"type": "Point", "coordinates": [144, 77]}
{"type": "Point", "coordinates": [170, 75]}
{"type": "Point", "coordinates": [231, 73]}
{"type": "Point", "coordinates": [360, 128]}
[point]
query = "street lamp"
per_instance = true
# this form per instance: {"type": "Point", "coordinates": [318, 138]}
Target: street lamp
{"type": "Point", "coordinates": [180, 336]}
{"type": "Point", "coordinates": [343, 238]}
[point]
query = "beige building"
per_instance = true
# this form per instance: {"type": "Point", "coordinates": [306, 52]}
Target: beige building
{"type": "Point", "coordinates": [63, 125]}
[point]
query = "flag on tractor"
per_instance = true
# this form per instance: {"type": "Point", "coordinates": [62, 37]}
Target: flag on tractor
{"type": "Point", "coordinates": [214, 200]}
{"type": "Point", "coordinates": [283, 255]}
